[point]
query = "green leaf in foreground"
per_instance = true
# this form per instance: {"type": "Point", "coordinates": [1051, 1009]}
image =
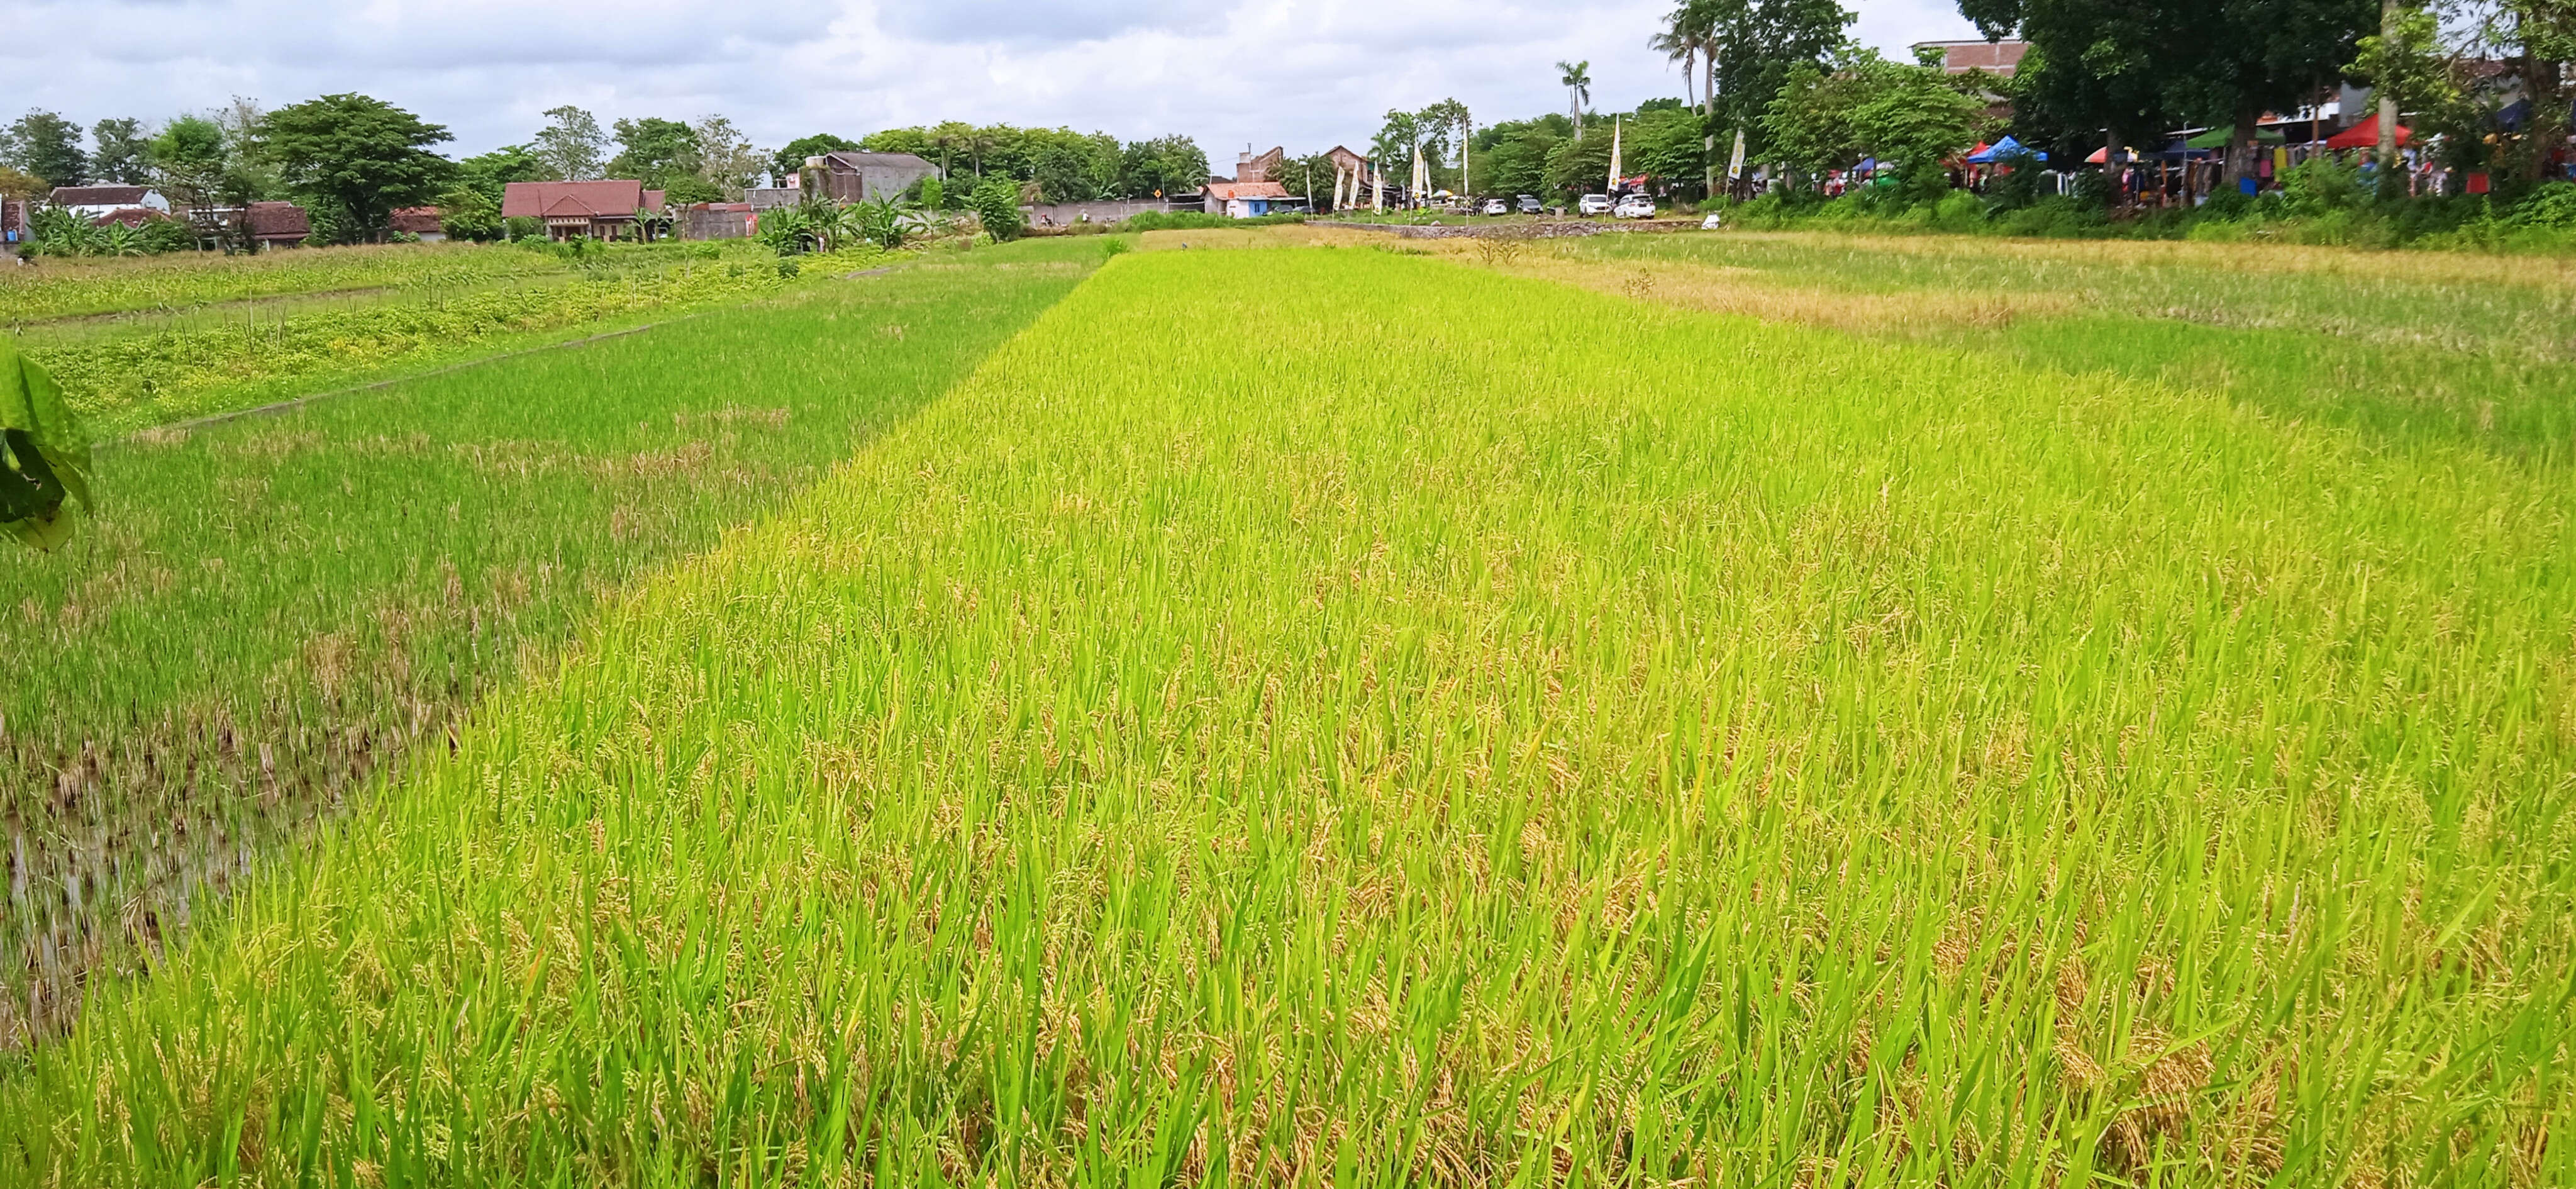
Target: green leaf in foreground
{"type": "Point", "coordinates": [47, 458]}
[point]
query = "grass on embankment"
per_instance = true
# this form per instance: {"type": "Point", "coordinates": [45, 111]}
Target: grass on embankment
{"type": "Point", "coordinates": [1377, 721]}
{"type": "Point", "coordinates": [264, 611]}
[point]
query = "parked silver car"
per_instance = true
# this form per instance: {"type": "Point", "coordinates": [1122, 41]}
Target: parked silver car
{"type": "Point", "coordinates": [1593, 204]}
{"type": "Point", "coordinates": [1530, 205]}
{"type": "Point", "coordinates": [1636, 206]}
{"type": "Point", "coordinates": [1495, 206]}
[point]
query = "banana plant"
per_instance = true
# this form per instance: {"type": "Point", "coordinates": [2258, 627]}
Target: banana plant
{"type": "Point", "coordinates": [43, 455]}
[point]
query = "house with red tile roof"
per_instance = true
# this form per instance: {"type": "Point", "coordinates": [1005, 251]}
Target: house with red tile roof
{"type": "Point", "coordinates": [1247, 200]}
{"type": "Point", "coordinates": [421, 221]}
{"type": "Point", "coordinates": [570, 210]}
{"type": "Point", "coordinates": [276, 224]}
{"type": "Point", "coordinates": [96, 202]}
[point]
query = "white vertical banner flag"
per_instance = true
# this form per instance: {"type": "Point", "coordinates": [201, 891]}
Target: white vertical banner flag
{"type": "Point", "coordinates": [1613, 187]}
{"type": "Point", "coordinates": [1735, 161]}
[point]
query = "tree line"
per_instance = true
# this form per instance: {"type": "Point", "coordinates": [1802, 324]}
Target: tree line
{"type": "Point", "coordinates": [352, 160]}
{"type": "Point", "coordinates": [2495, 79]}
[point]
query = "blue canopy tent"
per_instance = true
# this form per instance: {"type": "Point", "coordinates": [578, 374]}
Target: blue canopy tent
{"type": "Point", "coordinates": [2004, 150]}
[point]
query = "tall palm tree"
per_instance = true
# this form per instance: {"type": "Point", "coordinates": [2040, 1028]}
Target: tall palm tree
{"type": "Point", "coordinates": [1677, 46]}
{"type": "Point", "coordinates": [1578, 83]}
{"type": "Point", "coordinates": [1690, 31]}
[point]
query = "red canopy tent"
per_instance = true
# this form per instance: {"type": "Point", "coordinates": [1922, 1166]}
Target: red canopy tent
{"type": "Point", "coordinates": [2366, 135]}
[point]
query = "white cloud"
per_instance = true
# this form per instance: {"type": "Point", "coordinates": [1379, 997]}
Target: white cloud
{"type": "Point", "coordinates": [1304, 73]}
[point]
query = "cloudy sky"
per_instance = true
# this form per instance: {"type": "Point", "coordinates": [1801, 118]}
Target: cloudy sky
{"type": "Point", "coordinates": [1304, 73]}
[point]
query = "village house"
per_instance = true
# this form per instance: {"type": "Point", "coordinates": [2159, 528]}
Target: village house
{"type": "Point", "coordinates": [421, 221]}
{"type": "Point", "coordinates": [275, 225]}
{"type": "Point", "coordinates": [865, 177]}
{"type": "Point", "coordinates": [1250, 193]}
{"type": "Point", "coordinates": [98, 202]}
{"type": "Point", "coordinates": [608, 209]}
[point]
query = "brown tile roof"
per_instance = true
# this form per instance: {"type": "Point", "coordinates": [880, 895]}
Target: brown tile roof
{"type": "Point", "coordinates": [611, 199]}
{"type": "Point", "coordinates": [1227, 191]}
{"type": "Point", "coordinates": [277, 220]}
{"type": "Point", "coordinates": [98, 195]}
{"type": "Point", "coordinates": [653, 199]}
{"type": "Point", "coordinates": [418, 220]}
{"type": "Point", "coordinates": [131, 216]}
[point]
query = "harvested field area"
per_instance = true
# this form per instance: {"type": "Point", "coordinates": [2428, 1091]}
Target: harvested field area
{"type": "Point", "coordinates": [1384, 720]}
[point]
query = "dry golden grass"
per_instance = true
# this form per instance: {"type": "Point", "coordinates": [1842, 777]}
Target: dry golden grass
{"type": "Point", "coordinates": [2556, 272]}
{"type": "Point", "coordinates": [1715, 288]}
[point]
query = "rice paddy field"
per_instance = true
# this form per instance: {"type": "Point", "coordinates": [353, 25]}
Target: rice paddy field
{"type": "Point", "coordinates": [1712, 710]}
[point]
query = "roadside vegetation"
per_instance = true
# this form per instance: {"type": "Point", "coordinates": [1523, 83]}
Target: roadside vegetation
{"type": "Point", "coordinates": [264, 612]}
{"type": "Point", "coordinates": [1674, 747]}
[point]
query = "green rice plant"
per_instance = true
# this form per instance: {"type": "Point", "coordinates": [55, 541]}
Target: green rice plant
{"type": "Point", "coordinates": [135, 380]}
{"type": "Point", "coordinates": [261, 613]}
{"type": "Point", "coordinates": [1383, 721]}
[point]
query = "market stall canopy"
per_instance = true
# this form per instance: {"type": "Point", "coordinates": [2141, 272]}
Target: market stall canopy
{"type": "Point", "coordinates": [2125, 155]}
{"type": "Point", "coordinates": [2366, 134]}
{"type": "Point", "coordinates": [2003, 150]}
{"type": "Point", "coordinates": [2219, 138]}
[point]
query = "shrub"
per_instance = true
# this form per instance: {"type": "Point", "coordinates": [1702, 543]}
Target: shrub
{"type": "Point", "coordinates": [2057, 216]}
{"type": "Point", "coordinates": [2552, 205]}
{"type": "Point", "coordinates": [2318, 186]}
{"type": "Point", "coordinates": [997, 207]}
{"type": "Point", "coordinates": [1959, 211]}
{"type": "Point", "coordinates": [1197, 221]}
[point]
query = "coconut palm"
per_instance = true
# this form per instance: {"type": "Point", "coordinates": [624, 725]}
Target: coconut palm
{"type": "Point", "coordinates": [1577, 77]}
{"type": "Point", "coordinates": [1676, 46]}
{"type": "Point", "coordinates": [1690, 31]}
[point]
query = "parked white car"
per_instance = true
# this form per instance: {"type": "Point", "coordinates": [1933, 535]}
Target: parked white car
{"type": "Point", "coordinates": [1593, 204]}
{"type": "Point", "coordinates": [1496, 206]}
{"type": "Point", "coordinates": [1636, 206]}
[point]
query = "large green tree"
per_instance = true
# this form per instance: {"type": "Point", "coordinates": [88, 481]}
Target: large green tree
{"type": "Point", "coordinates": [727, 162]}
{"type": "Point", "coordinates": [490, 174]}
{"type": "Point", "coordinates": [46, 145]}
{"type": "Point", "coordinates": [120, 152]}
{"type": "Point", "coordinates": [2254, 56]}
{"type": "Point", "coordinates": [571, 144]}
{"type": "Point", "coordinates": [2098, 71]}
{"type": "Point", "coordinates": [791, 157]}
{"type": "Point", "coordinates": [1753, 47]}
{"type": "Point", "coordinates": [187, 159]}
{"type": "Point", "coordinates": [1512, 156]}
{"type": "Point", "coordinates": [355, 158]}
{"type": "Point", "coordinates": [655, 151]}
{"type": "Point", "coordinates": [1161, 167]}
{"type": "Point", "coordinates": [1912, 117]}
{"type": "Point", "coordinates": [1664, 143]}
